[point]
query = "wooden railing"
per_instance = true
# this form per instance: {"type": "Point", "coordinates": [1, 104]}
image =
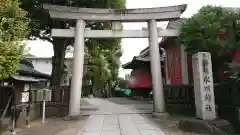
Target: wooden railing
{"type": "Point", "coordinates": [179, 99]}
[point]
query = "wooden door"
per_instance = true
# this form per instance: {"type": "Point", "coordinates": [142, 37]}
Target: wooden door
{"type": "Point", "coordinates": [177, 66]}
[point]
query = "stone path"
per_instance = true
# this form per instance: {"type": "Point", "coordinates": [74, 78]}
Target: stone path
{"type": "Point", "coordinates": [115, 119]}
{"type": "Point", "coordinates": [105, 107]}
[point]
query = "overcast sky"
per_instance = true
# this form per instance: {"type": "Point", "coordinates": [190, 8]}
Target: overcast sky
{"type": "Point", "coordinates": [132, 47]}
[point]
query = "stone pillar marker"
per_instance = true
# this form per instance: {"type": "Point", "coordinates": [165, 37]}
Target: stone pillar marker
{"type": "Point", "coordinates": [203, 86]}
{"type": "Point", "coordinates": [76, 83]}
{"type": "Point", "coordinates": [158, 93]}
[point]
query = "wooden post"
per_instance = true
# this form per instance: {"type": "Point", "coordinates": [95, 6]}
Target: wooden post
{"type": "Point", "coordinates": [43, 111]}
{"type": "Point", "coordinates": [29, 107]}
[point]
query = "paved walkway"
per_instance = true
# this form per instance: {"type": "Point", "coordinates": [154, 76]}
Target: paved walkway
{"type": "Point", "coordinates": [105, 107]}
{"type": "Point", "coordinates": [117, 119]}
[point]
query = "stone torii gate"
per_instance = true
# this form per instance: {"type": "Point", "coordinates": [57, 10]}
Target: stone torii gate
{"type": "Point", "coordinates": [116, 16]}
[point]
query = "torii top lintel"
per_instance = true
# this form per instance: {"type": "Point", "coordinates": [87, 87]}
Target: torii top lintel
{"type": "Point", "coordinates": [123, 15]}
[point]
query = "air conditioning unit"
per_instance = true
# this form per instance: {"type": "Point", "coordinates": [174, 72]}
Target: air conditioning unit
{"type": "Point", "coordinates": [44, 94]}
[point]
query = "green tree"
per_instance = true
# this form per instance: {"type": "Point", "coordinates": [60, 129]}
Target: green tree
{"type": "Point", "coordinates": [13, 30]}
{"type": "Point", "coordinates": [212, 30]}
{"type": "Point", "coordinates": [113, 57]}
{"type": "Point", "coordinates": [41, 26]}
{"type": "Point", "coordinates": [104, 64]}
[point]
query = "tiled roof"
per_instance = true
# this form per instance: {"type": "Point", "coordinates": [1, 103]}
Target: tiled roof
{"type": "Point", "coordinates": [26, 69]}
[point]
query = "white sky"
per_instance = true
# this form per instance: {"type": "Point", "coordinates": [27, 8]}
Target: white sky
{"type": "Point", "coordinates": [132, 47]}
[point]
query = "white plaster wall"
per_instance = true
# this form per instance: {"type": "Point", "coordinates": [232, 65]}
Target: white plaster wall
{"type": "Point", "coordinates": [45, 65]}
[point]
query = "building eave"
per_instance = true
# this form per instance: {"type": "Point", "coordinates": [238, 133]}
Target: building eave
{"type": "Point", "coordinates": [26, 70]}
{"type": "Point", "coordinates": [25, 79]}
{"type": "Point", "coordinates": [125, 66]}
{"type": "Point", "coordinates": [135, 59]}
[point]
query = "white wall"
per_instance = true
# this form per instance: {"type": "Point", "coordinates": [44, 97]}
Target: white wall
{"type": "Point", "coordinates": [44, 65]}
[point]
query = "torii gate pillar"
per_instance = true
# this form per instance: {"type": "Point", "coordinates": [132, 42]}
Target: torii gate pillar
{"type": "Point", "coordinates": [77, 73]}
{"type": "Point", "coordinates": [158, 93]}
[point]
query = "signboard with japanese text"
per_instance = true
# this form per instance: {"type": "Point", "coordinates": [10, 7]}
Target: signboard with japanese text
{"type": "Point", "coordinates": [203, 86]}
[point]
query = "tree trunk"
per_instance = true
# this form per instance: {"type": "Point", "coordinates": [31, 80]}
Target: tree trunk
{"type": "Point", "coordinates": [59, 47]}
{"type": "Point", "coordinates": [110, 88]}
{"type": "Point", "coordinates": [92, 90]}
{"type": "Point", "coordinates": [113, 89]}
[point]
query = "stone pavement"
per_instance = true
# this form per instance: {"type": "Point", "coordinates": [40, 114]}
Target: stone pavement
{"type": "Point", "coordinates": [117, 119]}
{"type": "Point", "coordinates": [114, 116]}
{"type": "Point", "coordinates": [120, 124]}
{"type": "Point", "coordinates": [112, 106]}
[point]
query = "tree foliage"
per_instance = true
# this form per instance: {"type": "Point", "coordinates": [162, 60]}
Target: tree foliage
{"type": "Point", "coordinates": [13, 29]}
{"type": "Point", "coordinates": [212, 29]}
{"type": "Point", "coordinates": [98, 49]}
{"type": "Point", "coordinates": [104, 62]}
{"type": "Point", "coordinates": [234, 72]}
